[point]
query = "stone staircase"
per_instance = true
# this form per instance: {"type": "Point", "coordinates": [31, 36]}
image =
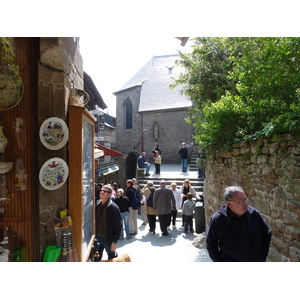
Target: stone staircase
{"type": "Point", "coordinates": [196, 183]}
{"type": "Point", "coordinates": [193, 161]}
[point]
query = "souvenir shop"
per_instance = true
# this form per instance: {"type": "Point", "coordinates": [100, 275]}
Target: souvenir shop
{"type": "Point", "coordinates": [46, 152]}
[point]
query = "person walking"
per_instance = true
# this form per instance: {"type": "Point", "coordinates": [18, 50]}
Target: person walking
{"type": "Point", "coordinates": [237, 232]}
{"type": "Point", "coordinates": [187, 211]}
{"type": "Point", "coordinates": [184, 190]}
{"type": "Point", "coordinates": [183, 152]}
{"type": "Point", "coordinates": [123, 204]}
{"type": "Point", "coordinates": [164, 203]}
{"type": "Point", "coordinates": [143, 164]}
{"type": "Point", "coordinates": [108, 223]}
{"type": "Point", "coordinates": [134, 199]}
{"type": "Point", "coordinates": [177, 196]}
{"type": "Point", "coordinates": [148, 191]}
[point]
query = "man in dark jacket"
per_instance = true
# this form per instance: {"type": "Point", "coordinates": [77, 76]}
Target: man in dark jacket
{"type": "Point", "coordinates": [164, 203]}
{"type": "Point", "coordinates": [183, 152]}
{"type": "Point", "coordinates": [108, 223]}
{"type": "Point", "coordinates": [134, 199]}
{"type": "Point", "coordinates": [237, 232]}
{"type": "Point", "coordinates": [142, 163]}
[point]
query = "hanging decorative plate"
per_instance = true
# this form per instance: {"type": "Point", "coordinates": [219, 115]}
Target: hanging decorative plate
{"type": "Point", "coordinates": [53, 173]}
{"type": "Point", "coordinates": [54, 133]}
{"type": "Point", "coordinates": [11, 87]}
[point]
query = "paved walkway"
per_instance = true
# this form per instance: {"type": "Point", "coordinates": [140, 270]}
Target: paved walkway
{"type": "Point", "coordinates": [177, 246]}
{"type": "Point", "coordinates": [155, 248]}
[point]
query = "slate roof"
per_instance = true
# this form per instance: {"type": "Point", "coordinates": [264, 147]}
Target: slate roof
{"type": "Point", "coordinates": [95, 97]}
{"type": "Point", "coordinates": [154, 79]}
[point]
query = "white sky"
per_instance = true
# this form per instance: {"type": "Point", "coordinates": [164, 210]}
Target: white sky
{"type": "Point", "coordinates": [112, 61]}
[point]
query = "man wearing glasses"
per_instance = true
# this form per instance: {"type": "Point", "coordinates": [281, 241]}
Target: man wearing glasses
{"type": "Point", "coordinates": [108, 223]}
{"type": "Point", "coordinates": [237, 232]}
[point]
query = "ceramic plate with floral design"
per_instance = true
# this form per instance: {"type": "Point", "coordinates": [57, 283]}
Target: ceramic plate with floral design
{"type": "Point", "coordinates": [54, 173]}
{"type": "Point", "coordinates": [54, 133]}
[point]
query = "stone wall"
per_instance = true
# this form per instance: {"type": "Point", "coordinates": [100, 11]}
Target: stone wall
{"type": "Point", "coordinates": [269, 172]}
{"type": "Point", "coordinates": [128, 139]}
{"type": "Point", "coordinates": [54, 97]}
{"type": "Point", "coordinates": [173, 130]}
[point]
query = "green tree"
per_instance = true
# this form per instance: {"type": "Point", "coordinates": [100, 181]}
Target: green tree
{"type": "Point", "coordinates": [242, 88]}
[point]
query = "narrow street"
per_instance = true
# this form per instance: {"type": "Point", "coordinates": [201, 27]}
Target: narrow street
{"type": "Point", "coordinates": [177, 246]}
{"type": "Point", "coordinates": [155, 248]}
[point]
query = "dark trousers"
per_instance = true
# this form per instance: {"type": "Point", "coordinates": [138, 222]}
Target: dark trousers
{"type": "Point", "coordinates": [152, 222]}
{"type": "Point", "coordinates": [174, 215]}
{"type": "Point", "coordinates": [164, 221]}
{"type": "Point", "coordinates": [183, 220]}
{"type": "Point", "coordinates": [188, 223]}
{"type": "Point", "coordinates": [104, 244]}
{"type": "Point", "coordinates": [157, 168]}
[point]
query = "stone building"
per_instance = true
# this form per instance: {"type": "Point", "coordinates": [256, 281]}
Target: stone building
{"type": "Point", "coordinates": [149, 112]}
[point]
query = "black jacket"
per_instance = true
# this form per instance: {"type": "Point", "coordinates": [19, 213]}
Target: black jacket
{"type": "Point", "coordinates": [183, 152]}
{"type": "Point", "coordinates": [113, 221]}
{"type": "Point", "coordinates": [123, 203]}
{"type": "Point", "coordinates": [225, 238]}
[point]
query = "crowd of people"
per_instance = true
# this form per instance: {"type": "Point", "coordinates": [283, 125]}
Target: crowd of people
{"type": "Point", "coordinates": [237, 232]}
{"type": "Point", "coordinates": [150, 202]}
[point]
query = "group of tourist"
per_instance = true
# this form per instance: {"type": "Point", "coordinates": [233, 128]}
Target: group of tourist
{"type": "Point", "coordinates": [237, 232]}
{"type": "Point", "coordinates": [123, 207]}
{"type": "Point", "coordinates": [157, 157]}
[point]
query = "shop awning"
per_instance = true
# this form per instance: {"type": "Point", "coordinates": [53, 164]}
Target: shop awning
{"type": "Point", "coordinates": [109, 152]}
{"type": "Point", "coordinates": [109, 170]}
{"type": "Point", "coordinates": [98, 153]}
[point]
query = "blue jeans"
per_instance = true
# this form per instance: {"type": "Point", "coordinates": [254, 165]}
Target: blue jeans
{"type": "Point", "coordinates": [184, 164]}
{"type": "Point", "coordinates": [147, 167]}
{"type": "Point", "coordinates": [125, 223]}
{"type": "Point", "coordinates": [103, 244]}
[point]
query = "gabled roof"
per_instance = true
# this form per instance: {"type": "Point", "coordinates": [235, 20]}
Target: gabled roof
{"type": "Point", "coordinates": [156, 95]}
{"type": "Point", "coordinates": [154, 79]}
{"type": "Point", "coordinates": [156, 66]}
{"type": "Point", "coordinates": [95, 97]}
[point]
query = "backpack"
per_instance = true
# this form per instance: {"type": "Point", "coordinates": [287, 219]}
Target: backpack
{"type": "Point", "coordinates": [136, 202]}
{"type": "Point", "coordinates": [150, 199]}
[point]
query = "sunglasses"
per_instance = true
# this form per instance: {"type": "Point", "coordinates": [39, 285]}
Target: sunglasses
{"type": "Point", "coordinates": [104, 191]}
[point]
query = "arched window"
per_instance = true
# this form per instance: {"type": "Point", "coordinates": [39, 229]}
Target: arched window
{"type": "Point", "coordinates": [128, 112]}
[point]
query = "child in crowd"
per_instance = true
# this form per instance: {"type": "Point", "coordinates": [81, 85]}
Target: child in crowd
{"type": "Point", "coordinates": [187, 211]}
{"type": "Point", "coordinates": [157, 163]}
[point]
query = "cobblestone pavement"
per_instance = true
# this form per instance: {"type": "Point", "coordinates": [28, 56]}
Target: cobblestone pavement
{"type": "Point", "coordinates": [177, 246]}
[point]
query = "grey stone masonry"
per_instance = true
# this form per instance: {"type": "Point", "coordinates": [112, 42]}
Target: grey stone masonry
{"type": "Point", "coordinates": [269, 172]}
